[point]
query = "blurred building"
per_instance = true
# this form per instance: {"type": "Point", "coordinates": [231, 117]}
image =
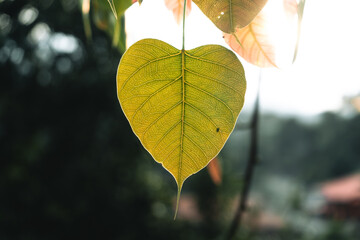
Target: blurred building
{"type": "Point", "coordinates": [342, 197]}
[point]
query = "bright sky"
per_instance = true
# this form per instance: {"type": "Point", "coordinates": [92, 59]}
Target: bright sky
{"type": "Point", "coordinates": [326, 69]}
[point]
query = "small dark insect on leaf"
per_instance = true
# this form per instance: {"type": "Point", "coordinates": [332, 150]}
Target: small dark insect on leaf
{"type": "Point", "coordinates": [217, 129]}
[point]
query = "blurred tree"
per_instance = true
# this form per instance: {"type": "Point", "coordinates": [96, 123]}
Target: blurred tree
{"type": "Point", "coordinates": [311, 152]}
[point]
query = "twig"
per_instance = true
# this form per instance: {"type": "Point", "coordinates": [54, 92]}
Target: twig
{"type": "Point", "coordinates": [253, 153]}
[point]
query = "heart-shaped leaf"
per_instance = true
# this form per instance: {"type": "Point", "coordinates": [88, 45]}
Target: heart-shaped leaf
{"type": "Point", "coordinates": [182, 105]}
{"type": "Point", "coordinates": [228, 15]}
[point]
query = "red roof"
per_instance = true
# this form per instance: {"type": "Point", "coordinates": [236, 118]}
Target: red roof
{"type": "Point", "coordinates": [346, 189]}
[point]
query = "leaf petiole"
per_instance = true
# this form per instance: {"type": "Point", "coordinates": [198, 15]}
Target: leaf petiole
{"type": "Point", "coordinates": [184, 12]}
{"type": "Point", "coordinates": [237, 40]}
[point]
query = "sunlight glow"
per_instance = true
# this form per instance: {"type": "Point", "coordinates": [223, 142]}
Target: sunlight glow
{"type": "Point", "coordinates": [282, 29]}
{"type": "Point", "coordinates": [326, 69]}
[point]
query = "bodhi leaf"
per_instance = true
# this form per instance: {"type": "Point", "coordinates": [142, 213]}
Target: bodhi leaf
{"type": "Point", "coordinates": [228, 15]}
{"type": "Point", "coordinates": [182, 105]}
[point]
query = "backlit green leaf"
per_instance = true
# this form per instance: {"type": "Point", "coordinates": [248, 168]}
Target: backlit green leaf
{"type": "Point", "coordinates": [121, 6]}
{"type": "Point", "coordinates": [182, 105]}
{"type": "Point", "coordinates": [228, 15]}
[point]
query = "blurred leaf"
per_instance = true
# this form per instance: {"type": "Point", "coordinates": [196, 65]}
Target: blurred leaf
{"type": "Point", "coordinates": [118, 7]}
{"type": "Point", "coordinates": [119, 36]}
{"type": "Point", "coordinates": [300, 12]}
{"type": "Point", "coordinates": [104, 20]}
{"type": "Point", "coordinates": [121, 6]}
{"type": "Point", "coordinates": [139, 1]}
{"type": "Point", "coordinates": [228, 15]}
{"type": "Point", "coordinates": [85, 9]}
{"type": "Point", "coordinates": [181, 111]}
{"type": "Point", "coordinates": [290, 7]}
{"type": "Point", "coordinates": [177, 7]}
{"type": "Point", "coordinates": [253, 43]}
{"type": "Point", "coordinates": [102, 15]}
{"type": "Point", "coordinates": [215, 171]}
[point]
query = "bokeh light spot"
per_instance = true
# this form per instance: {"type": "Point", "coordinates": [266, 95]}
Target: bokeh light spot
{"type": "Point", "coordinates": [28, 15]}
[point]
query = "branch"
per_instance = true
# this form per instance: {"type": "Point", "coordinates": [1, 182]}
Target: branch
{"type": "Point", "coordinates": [236, 223]}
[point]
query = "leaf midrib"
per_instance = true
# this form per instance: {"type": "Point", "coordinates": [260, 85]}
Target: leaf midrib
{"type": "Point", "coordinates": [259, 45]}
{"type": "Point", "coordinates": [182, 115]}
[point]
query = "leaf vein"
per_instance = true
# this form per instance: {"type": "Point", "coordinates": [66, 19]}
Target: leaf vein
{"type": "Point", "coordinates": [143, 66]}
{"type": "Point", "coordinates": [211, 95]}
{"type": "Point", "coordinates": [155, 46]}
{"type": "Point", "coordinates": [165, 134]}
{"type": "Point", "coordinates": [153, 94]}
{"type": "Point", "coordinates": [161, 116]}
{"type": "Point", "coordinates": [213, 79]}
{"type": "Point", "coordinates": [197, 145]}
{"type": "Point", "coordinates": [212, 62]}
{"type": "Point", "coordinates": [202, 134]}
{"type": "Point", "coordinates": [195, 163]}
{"type": "Point", "coordinates": [210, 52]}
{"type": "Point", "coordinates": [260, 47]}
{"type": "Point", "coordinates": [155, 80]}
{"type": "Point", "coordinates": [202, 113]}
{"type": "Point", "coordinates": [167, 157]}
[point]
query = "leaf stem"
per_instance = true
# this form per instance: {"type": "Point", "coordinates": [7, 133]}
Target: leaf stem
{"type": "Point", "coordinates": [116, 36]}
{"type": "Point", "coordinates": [183, 35]}
{"type": "Point", "coordinates": [237, 40]}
